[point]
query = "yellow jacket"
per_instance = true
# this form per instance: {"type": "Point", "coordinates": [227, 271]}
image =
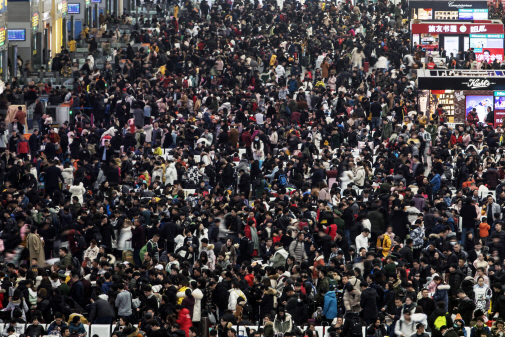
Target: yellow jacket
{"type": "Point", "coordinates": [272, 60]}
{"type": "Point", "coordinates": [385, 244]}
{"type": "Point", "coordinates": [181, 294]}
{"type": "Point", "coordinates": [176, 11]}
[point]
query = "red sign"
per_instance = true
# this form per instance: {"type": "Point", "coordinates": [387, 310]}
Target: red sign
{"type": "Point", "coordinates": [490, 54]}
{"type": "Point", "coordinates": [457, 28]}
{"type": "Point", "coordinates": [498, 115]}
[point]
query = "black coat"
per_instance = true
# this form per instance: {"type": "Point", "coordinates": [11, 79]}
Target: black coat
{"type": "Point", "coordinates": [267, 302]}
{"type": "Point", "coordinates": [428, 304]}
{"type": "Point", "coordinates": [465, 309]}
{"type": "Point", "coordinates": [368, 302]}
{"type": "Point", "coordinates": [53, 174]}
{"type": "Point", "coordinates": [455, 279]}
{"type": "Point", "coordinates": [399, 220]}
{"type": "Point", "coordinates": [77, 293]}
{"type": "Point", "coordinates": [407, 254]}
{"type": "Point", "coordinates": [35, 331]}
{"type": "Point", "coordinates": [220, 296]}
{"type": "Point", "coordinates": [389, 302]}
{"type": "Point", "coordinates": [499, 306]}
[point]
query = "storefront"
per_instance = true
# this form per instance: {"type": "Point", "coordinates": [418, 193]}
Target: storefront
{"type": "Point", "coordinates": [448, 10]}
{"type": "Point", "coordinates": [485, 37]}
{"type": "Point", "coordinates": [460, 91]}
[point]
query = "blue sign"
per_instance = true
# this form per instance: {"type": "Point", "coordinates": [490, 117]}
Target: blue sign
{"type": "Point", "coordinates": [74, 8]}
{"type": "Point", "coordinates": [16, 34]}
{"type": "Point", "coordinates": [3, 6]}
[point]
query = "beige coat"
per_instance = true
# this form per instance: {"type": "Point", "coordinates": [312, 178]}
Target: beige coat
{"type": "Point", "coordinates": [36, 248]}
{"type": "Point", "coordinates": [351, 300]}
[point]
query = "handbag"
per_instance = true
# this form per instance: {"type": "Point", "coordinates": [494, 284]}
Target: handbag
{"type": "Point", "coordinates": [212, 318]}
{"type": "Point", "coordinates": [57, 147]}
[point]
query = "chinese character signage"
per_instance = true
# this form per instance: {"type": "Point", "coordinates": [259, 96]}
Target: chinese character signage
{"type": "Point", "coordinates": [64, 7]}
{"type": "Point", "coordinates": [458, 28]}
{"type": "Point", "coordinates": [35, 20]}
{"type": "Point", "coordinates": [3, 6]}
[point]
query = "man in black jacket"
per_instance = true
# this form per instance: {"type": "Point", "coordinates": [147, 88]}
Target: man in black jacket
{"type": "Point", "coordinates": [33, 143]}
{"type": "Point", "coordinates": [368, 303]}
{"type": "Point", "coordinates": [406, 252]}
{"type": "Point", "coordinates": [148, 301]}
{"type": "Point", "coordinates": [465, 306]}
{"type": "Point", "coordinates": [53, 178]}
{"type": "Point", "coordinates": [426, 302]}
{"type": "Point", "coordinates": [244, 184]}
{"type": "Point", "coordinates": [77, 291]}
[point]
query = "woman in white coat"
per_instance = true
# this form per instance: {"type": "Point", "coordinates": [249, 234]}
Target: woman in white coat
{"type": "Point", "coordinates": [258, 149]}
{"type": "Point", "coordinates": [77, 190]}
{"type": "Point", "coordinates": [198, 295]}
{"type": "Point", "coordinates": [235, 293]}
{"type": "Point", "coordinates": [125, 234]}
{"type": "Point", "coordinates": [68, 176]}
{"type": "Point", "coordinates": [359, 178]}
{"type": "Point", "coordinates": [170, 174]}
{"type": "Point", "coordinates": [346, 178]}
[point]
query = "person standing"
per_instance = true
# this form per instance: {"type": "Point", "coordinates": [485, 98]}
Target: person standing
{"type": "Point", "coordinates": [368, 303]}
{"type": "Point", "coordinates": [35, 245]}
{"type": "Point", "coordinates": [137, 240]}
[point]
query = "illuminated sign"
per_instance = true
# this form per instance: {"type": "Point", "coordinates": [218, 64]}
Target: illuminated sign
{"type": "Point", "coordinates": [3, 6]}
{"type": "Point", "coordinates": [35, 20]}
{"type": "Point", "coordinates": [2, 36]}
{"type": "Point", "coordinates": [64, 7]}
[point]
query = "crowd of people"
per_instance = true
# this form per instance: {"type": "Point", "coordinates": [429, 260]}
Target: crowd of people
{"type": "Point", "coordinates": [261, 164]}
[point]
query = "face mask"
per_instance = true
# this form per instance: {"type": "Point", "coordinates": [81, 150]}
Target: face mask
{"type": "Point", "coordinates": [299, 300]}
{"type": "Point", "coordinates": [256, 139]}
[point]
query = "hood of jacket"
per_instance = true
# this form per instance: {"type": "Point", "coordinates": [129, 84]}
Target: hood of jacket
{"type": "Point", "coordinates": [270, 291]}
{"type": "Point", "coordinates": [444, 287]}
{"type": "Point", "coordinates": [330, 294]}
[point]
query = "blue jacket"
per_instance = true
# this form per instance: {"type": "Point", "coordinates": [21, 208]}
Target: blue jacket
{"type": "Point", "coordinates": [441, 294]}
{"type": "Point", "coordinates": [330, 305]}
{"type": "Point", "coordinates": [436, 182]}
{"type": "Point", "coordinates": [485, 330]}
{"type": "Point", "coordinates": [292, 85]}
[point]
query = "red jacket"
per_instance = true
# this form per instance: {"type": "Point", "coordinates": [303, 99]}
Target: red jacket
{"type": "Point", "coordinates": [331, 230]}
{"type": "Point", "coordinates": [184, 321]}
{"type": "Point", "coordinates": [250, 279]}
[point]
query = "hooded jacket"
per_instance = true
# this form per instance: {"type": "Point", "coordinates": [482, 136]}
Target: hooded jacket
{"type": "Point", "coordinates": [279, 258]}
{"type": "Point", "coordinates": [330, 305]}
{"type": "Point", "coordinates": [283, 326]}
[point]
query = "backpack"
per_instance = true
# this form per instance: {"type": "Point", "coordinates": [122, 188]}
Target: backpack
{"type": "Point", "coordinates": [333, 283]}
{"type": "Point", "coordinates": [356, 329]}
{"type": "Point", "coordinates": [283, 181]}
{"type": "Point", "coordinates": [56, 221]}
{"type": "Point", "coordinates": [101, 105]}
{"type": "Point", "coordinates": [76, 263]}
{"type": "Point", "coordinates": [313, 292]}
{"type": "Point", "coordinates": [79, 240]}
{"type": "Point", "coordinates": [250, 247]}
{"type": "Point", "coordinates": [98, 236]}
{"type": "Point", "coordinates": [107, 109]}
{"type": "Point", "coordinates": [306, 151]}
{"type": "Point", "coordinates": [143, 250]}
{"type": "Point", "coordinates": [440, 321]}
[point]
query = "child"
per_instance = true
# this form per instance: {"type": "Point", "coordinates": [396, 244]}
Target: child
{"type": "Point", "coordinates": [484, 228]}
